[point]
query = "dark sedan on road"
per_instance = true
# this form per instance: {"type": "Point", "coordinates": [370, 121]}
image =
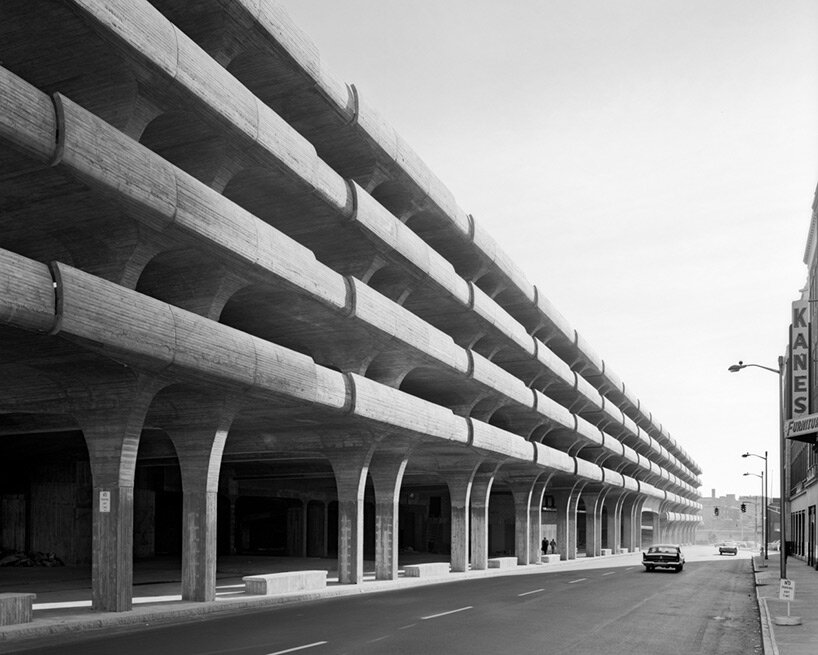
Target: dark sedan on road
{"type": "Point", "coordinates": [663, 555]}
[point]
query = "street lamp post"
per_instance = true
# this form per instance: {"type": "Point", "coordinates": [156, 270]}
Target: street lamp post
{"type": "Point", "coordinates": [735, 368]}
{"type": "Point", "coordinates": [763, 501]}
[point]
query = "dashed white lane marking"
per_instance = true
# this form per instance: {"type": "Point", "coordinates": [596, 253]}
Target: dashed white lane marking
{"type": "Point", "coordinates": [404, 627]}
{"type": "Point", "coordinates": [527, 593]}
{"type": "Point", "coordinates": [580, 580]}
{"type": "Point", "coordinates": [609, 573]}
{"type": "Point", "coordinates": [434, 616]}
{"type": "Point", "coordinates": [292, 650]}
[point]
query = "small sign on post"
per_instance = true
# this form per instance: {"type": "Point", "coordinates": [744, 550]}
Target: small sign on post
{"type": "Point", "coordinates": [105, 502]}
{"type": "Point", "coordinates": [786, 591]}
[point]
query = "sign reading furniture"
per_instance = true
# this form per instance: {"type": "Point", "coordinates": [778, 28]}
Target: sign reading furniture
{"type": "Point", "coordinates": [803, 428]}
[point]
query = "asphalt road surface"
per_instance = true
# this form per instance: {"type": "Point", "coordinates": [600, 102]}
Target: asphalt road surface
{"type": "Point", "coordinates": [709, 608]}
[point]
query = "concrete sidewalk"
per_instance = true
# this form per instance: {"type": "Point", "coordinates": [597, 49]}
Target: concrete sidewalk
{"type": "Point", "coordinates": [781, 639]}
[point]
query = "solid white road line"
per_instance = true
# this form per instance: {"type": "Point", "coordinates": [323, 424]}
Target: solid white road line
{"type": "Point", "coordinates": [292, 650]}
{"type": "Point", "coordinates": [580, 580]}
{"type": "Point", "coordinates": [536, 591]}
{"type": "Point", "coordinates": [609, 573]}
{"type": "Point", "coordinates": [434, 616]}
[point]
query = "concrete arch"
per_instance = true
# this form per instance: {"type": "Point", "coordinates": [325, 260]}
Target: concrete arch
{"type": "Point", "coordinates": [501, 419]}
{"type": "Point", "coordinates": [271, 326]}
{"type": "Point", "coordinates": [186, 141]}
{"type": "Point", "coordinates": [446, 239]}
{"type": "Point", "coordinates": [488, 346]}
{"type": "Point", "coordinates": [426, 383]}
{"type": "Point", "coordinates": [391, 282]}
{"type": "Point", "coordinates": [388, 368]}
{"type": "Point", "coordinates": [395, 197]}
{"type": "Point", "coordinates": [260, 191]}
{"type": "Point", "coordinates": [491, 283]}
{"type": "Point", "coordinates": [188, 278]}
{"type": "Point", "coordinates": [266, 76]}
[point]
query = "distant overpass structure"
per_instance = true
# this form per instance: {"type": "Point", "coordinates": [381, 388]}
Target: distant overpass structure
{"type": "Point", "coordinates": [238, 314]}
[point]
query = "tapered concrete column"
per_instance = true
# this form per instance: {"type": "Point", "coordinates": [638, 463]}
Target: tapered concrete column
{"type": "Point", "coordinates": [614, 503]}
{"type": "Point", "coordinates": [535, 521]}
{"type": "Point", "coordinates": [674, 533]}
{"type": "Point", "coordinates": [460, 483]}
{"type": "Point", "coordinates": [198, 433]}
{"type": "Point", "coordinates": [112, 432]}
{"type": "Point", "coordinates": [593, 523]}
{"type": "Point", "coordinates": [386, 470]}
{"type": "Point", "coordinates": [668, 531]}
{"type": "Point", "coordinates": [480, 495]}
{"type": "Point", "coordinates": [566, 502]}
{"type": "Point", "coordinates": [628, 509]}
{"type": "Point", "coordinates": [632, 523]}
{"type": "Point", "coordinates": [522, 490]}
{"type": "Point", "coordinates": [350, 467]}
{"type": "Point", "coordinates": [657, 527]}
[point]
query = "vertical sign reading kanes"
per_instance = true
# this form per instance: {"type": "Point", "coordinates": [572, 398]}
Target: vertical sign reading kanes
{"type": "Point", "coordinates": [799, 358]}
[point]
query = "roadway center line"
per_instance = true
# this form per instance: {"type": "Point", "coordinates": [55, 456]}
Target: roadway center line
{"type": "Point", "coordinates": [580, 580]}
{"type": "Point", "coordinates": [536, 591]}
{"type": "Point", "coordinates": [292, 650]}
{"type": "Point", "coordinates": [434, 616]}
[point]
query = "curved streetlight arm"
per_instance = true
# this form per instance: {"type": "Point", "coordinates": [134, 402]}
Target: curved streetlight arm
{"type": "Point", "coordinates": [764, 457]}
{"type": "Point", "coordinates": [735, 368]}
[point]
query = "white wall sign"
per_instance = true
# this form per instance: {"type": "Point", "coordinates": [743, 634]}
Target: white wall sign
{"type": "Point", "coordinates": [105, 501]}
{"type": "Point", "coordinates": [799, 358]}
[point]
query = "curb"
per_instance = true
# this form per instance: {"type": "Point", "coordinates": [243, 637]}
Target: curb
{"type": "Point", "coordinates": [767, 633]}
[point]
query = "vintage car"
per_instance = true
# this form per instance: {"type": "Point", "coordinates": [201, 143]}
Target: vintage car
{"type": "Point", "coordinates": [728, 547]}
{"type": "Point", "coordinates": [663, 555]}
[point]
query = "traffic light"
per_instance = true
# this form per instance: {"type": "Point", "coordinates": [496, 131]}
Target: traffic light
{"type": "Point", "coordinates": [743, 507]}
{"type": "Point", "coordinates": [716, 511]}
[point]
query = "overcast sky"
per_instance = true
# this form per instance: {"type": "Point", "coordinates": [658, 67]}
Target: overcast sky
{"type": "Point", "coordinates": [649, 164]}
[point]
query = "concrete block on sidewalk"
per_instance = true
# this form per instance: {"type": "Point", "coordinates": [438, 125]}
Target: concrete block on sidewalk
{"type": "Point", "coordinates": [16, 608]}
{"type": "Point", "coordinates": [502, 562]}
{"type": "Point", "coordinates": [270, 584]}
{"type": "Point", "coordinates": [605, 552]}
{"type": "Point", "coordinates": [426, 570]}
{"type": "Point", "coordinates": [550, 559]}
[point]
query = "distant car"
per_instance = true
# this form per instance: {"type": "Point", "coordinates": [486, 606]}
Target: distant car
{"type": "Point", "coordinates": [728, 547]}
{"type": "Point", "coordinates": [663, 555]}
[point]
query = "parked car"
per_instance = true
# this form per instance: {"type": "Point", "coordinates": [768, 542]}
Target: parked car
{"type": "Point", "coordinates": [663, 555]}
{"type": "Point", "coordinates": [728, 547]}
